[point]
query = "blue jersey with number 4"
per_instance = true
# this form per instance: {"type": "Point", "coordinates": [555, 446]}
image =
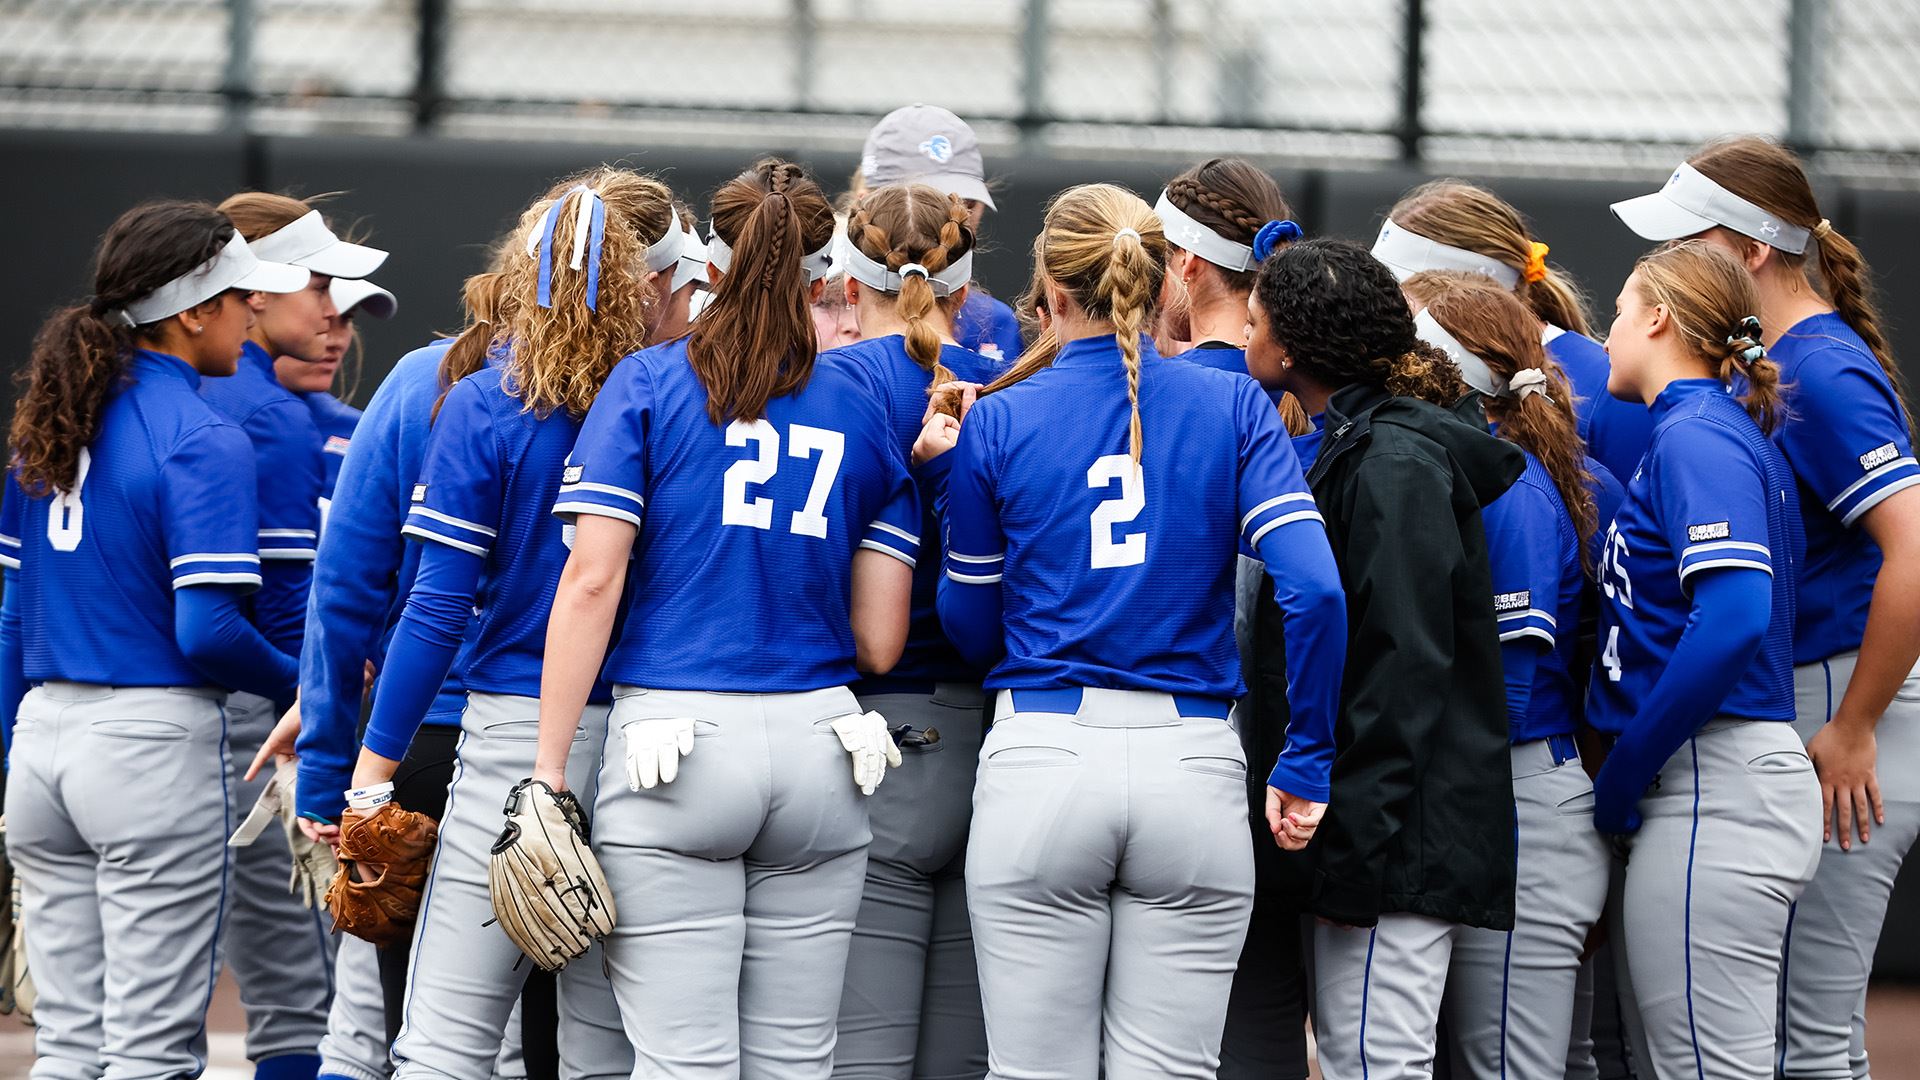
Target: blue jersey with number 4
{"type": "Point", "coordinates": [1712, 493]}
{"type": "Point", "coordinates": [164, 500]}
{"type": "Point", "coordinates": [748, 529]}
{"type": "Point", "coordinates": [1113, 575]}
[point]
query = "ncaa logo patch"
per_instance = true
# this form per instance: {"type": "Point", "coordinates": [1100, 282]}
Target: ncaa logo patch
{"type": "Point", "coordinates": [571, 474]}
{"type": "Point", "coordinates": [938, 149]}
{"type": "Point", "coordinates": [1717, 530]}
{"type": "Point", "coordinates": [419, 493]}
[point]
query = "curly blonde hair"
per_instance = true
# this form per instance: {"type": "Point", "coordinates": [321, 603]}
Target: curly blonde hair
{"type": "Point", "coordinates": [557, 357]}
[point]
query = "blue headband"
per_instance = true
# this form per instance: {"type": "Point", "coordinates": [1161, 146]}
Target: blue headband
{"type": "Point", "coordinates": [1272, 235]}
{"type": "Point", "coordinates": [589, 232]}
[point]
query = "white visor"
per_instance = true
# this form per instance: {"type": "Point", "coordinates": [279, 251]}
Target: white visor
{"type": "Point", "coordinates": [1692, 203]}
{"type": "Point", "coordinates": [309, 243]}
{"type": "Point", "coordinates": [665, 251]}
{"type": "Point", "coordinates": [236, 266]}
{"type": "Point", "coordinates": [1187, 233]}
{"type": "Point", "coordinates": [692, 265]}
{"type": "Point", "coordinates": [1472, 369]}
{"type": "Point", "coordinates": [817, 264]}
{"type": "Point", "coordinates": [1406, 253]}
{"type": "Point", "coordinates": [875, 276]}
{"type": "Point", "coordinates": [350, 294]}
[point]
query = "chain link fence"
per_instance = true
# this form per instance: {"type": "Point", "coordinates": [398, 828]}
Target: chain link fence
{"type": "Point", "coordinates": [1550, 86]}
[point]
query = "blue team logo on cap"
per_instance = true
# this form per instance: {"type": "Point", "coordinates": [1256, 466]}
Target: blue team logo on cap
{"type": "Point", "coordinates": [939, 149]}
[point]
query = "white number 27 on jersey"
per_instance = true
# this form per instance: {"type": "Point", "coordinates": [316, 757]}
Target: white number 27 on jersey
{"type": "Point", "coordinates": [1131, 551]}
{"type": "Point", "coordinates": [736, 508]}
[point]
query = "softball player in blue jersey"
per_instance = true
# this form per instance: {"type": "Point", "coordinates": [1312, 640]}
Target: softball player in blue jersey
{"type": "Point", "coordinates": [1511, 993]}
{"type": "Point", "coordinates": [1097, 499]}
{"type": "Point", "coordinates": [1847, 436]}
{"type": "Point", "coordinates": [280, 957]}
{"type": "Point", "coordinates": [1221, 218]}
{"type": "Point", "coordinates": [911, 1005]}
{"type": "Point", "coordinates": [1453, 225]}
{"type": "Point", "coordinates": [772, 526]}
{"type": "Point", "coordinates": [1706, 782]}
{"type": "Point", "coordinates": [492, 550]}
{"type": "Point", "coordinates": [128, 529]}
{"type": "Point", "coordinates": [314, 382]}
{"type": "Point", "coordinates": [1417, 849]}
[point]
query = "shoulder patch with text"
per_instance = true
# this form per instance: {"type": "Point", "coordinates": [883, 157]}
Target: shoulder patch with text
{"type": "Point", "coordinates": [1878, 456]}
{"type": "Point", "coordinates": [1717, 530]}
{"type": "Point", "coordinates": [1513, 601]}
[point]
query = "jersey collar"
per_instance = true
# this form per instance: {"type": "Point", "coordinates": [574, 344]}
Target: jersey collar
{"type": "Point", "coordinates": [252, 353]}
{"type": "Point", "coordinates": [1680, 390]}
{"type": "Point", "coordinates": [148, 362]}
{"type": "Point", "coordinates": [1101, 351]}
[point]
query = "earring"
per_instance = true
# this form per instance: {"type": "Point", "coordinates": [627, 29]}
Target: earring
{"type": "Point", "coordinates": [197, 329]}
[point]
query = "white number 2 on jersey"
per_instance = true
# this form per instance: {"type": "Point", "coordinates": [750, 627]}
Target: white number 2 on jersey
{"type": "Point", "coordinates": [1131, 551]}
{"type": "Point", "coordinates": [736, 508]}
{"type": "Point", "coordinates": [65, 515]}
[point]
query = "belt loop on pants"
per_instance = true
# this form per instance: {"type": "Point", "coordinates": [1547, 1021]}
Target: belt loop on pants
{"type": "Point", "coordinates": [1564, 748]}
{"type": "Point", "coordinates": [1066, 699]}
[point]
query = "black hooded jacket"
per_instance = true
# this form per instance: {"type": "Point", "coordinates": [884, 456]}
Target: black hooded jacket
{"type": "Point", "coordinates": [1421, 815]}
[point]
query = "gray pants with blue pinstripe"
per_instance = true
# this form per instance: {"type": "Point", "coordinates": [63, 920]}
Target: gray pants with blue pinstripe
{"type": "Point", "coordinates": [1836, 924]}
{"type": "Point", "coordinates": [1731, 836]}
{"type": "Point", "coordinates": [117, 825]}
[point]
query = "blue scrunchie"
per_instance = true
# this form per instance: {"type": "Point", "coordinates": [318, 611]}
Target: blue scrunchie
{"type": "Point", "coordinates": [1272, 235]}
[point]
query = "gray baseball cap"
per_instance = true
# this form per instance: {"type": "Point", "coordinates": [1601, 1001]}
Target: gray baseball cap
{"type": "Point", "coordinates": [926, 144]}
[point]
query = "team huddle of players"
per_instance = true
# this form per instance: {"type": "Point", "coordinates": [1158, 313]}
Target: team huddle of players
{"type": "Point", "coordinates": [948, 693]}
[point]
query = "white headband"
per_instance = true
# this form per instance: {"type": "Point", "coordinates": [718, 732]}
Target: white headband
{"type": "Point", "coordinates": [1188, 233]}
{"type": "Point", "coordinates": [1472, 369]}
{"type": "Point", "coordinates": [1691, 202]}
{"type": "Point", "coordinates": [875, 276]}
{"type": "Point", "coordinates": [308, 242]}
{"type": "Point", "coordinates": [667, 250]}
{"type": "Point", "coordinates": [692, 265]}
{"type": "Point", "coordinates": [1406, 253]}
{"type": "Point", "coordinates": [235, 266]}
{"type": "Point", "coordinates": [817, 264]}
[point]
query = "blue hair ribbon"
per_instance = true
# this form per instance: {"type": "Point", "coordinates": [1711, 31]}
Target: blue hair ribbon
{"type": "Point", "coordinates": [1272, 235]}
{"type": "Point", "coordinates": [589, 234]}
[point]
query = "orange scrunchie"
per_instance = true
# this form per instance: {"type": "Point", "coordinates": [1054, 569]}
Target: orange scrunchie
{"type": "Point", "coordinates": [1536, 263]}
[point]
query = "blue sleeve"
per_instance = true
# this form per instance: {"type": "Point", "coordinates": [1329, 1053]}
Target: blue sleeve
{"type": "Point", "coordinates": [1714, 517]}
{"type": "Point", "coordinates": [13, 681]}
{"type": "Point", "coordinates": [207, 512]}
{"type": "Point", "coordinates": [895, 529]}
{"type": "Point", "coordinates": [216, 637]}
{"type": "Point", "coordinates": [1520, 660]}
{"type": "Point", "coordinates": [1725, 628]}
{"type": "Point", "coordinates": [424, 646]}
{"type": "Point", "coordinates": [291, 477]}
{"type": "Point", "coordinates": [10, 499]}
{"type": "Point", "coordinates": [1847, 440]}
{"type": "Point", "coordinates": [1279, 519]}
{"type": "Point", "coordinates": [607, 471]}
{"type": "Point", "coordinates": [354, 580]}
{"type": "Point", "coordinates": [457, 501]}
{"type": "Point", "coordinates": [968, 596]}
{"type": "Point", "coordinates": [1523, 552]}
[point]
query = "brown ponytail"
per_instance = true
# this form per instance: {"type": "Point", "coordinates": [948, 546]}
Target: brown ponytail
{"type": "Point", "coordinates": [1770, 177]}
{"type": "Point", "coordinates": [913, 223]}
{"type": "Point", "coordinates": [1106, 248]}
{"type": "Point", "coordinates": [754, 342]}
{"type": "Point", "coordinates": [1469, 217]}
{"type": "Point", "coordinates": [1493, 324]}
{"type": "Point", "coordinates": [1712, 299]}
{"type": "Point", "coordinates": [80, 357]}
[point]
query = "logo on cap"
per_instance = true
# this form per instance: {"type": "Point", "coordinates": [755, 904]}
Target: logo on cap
{"type": "Point", "coordinates": [939, 149]}
{"type": "Point", "coordinates": [1674, 179]}
{"type": "Point", "coordinates": [1768, 229]}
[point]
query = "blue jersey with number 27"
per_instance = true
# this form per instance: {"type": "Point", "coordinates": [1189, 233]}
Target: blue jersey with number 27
{"type": "Point", "coordinates": [748, 529]}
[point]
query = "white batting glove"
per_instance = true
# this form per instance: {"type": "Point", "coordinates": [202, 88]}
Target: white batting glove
{"type": "Point", "coordinates": [654, 749]}
{"type": "Point", "coordinates": [868, 742]}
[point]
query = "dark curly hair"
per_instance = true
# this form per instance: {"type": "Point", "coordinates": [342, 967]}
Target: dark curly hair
{"type": "Point", "coordinates": [1342, 319]}
{"type": "Point", "coordinates": [80, 356]}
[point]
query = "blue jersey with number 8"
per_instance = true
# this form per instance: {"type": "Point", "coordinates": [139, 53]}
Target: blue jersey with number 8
{"type": "Point", "coordinates": [743, 564]}
{"type": "Point", "coordinates": [1712, 493]}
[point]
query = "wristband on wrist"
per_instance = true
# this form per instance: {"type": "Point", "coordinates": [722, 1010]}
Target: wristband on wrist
{"type": "Point", "coordinates": [371, 796]}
